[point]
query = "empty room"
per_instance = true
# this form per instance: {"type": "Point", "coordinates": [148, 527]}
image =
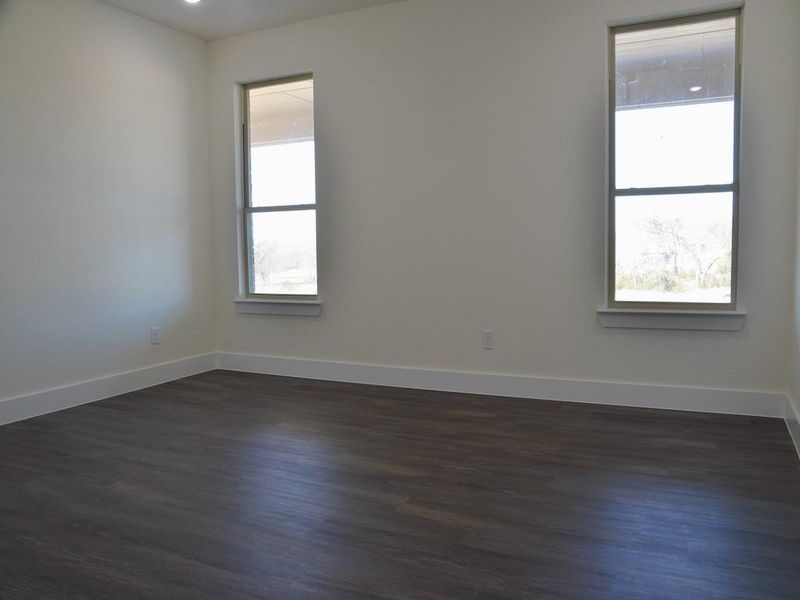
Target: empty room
{"type": "Point", "coordinates": [399, 299]}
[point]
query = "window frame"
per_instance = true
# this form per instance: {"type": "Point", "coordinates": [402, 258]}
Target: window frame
{"type": "Point", "coordinates": [733, 187]}
{"type": "Point", "coordinates": [247, 207]}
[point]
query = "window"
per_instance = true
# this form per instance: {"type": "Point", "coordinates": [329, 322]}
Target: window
{"type": "Point", "coordinates": [280, 211]}
{"type": "Point", "coordinates": [674, 181]}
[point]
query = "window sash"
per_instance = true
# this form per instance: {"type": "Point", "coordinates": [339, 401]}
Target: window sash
{"type": "Point", "coordinates": [247, 207]}
{"type": "Point", "coordinates": [614, 192]}
{"type": "Point", "coordinates": [284, 208]}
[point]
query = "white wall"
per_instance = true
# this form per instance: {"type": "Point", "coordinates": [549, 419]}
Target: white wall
{"type": "Point", "coordinates": [461, 165]}
{"type": "Point", "coordinates": [461, 176]}
{"type": "Point", "coordinates": [793, 414]}
{"type": "Point", "coordinates": [104, 214]}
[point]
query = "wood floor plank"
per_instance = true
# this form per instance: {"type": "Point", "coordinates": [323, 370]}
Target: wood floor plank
{"type": "Point", "coordinates": [249, 487]}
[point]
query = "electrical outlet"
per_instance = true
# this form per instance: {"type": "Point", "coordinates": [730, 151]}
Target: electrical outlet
{"type": "Point", "coordinates": [487, 339]}
{"type": "Point", "coordinates": [155, 336]}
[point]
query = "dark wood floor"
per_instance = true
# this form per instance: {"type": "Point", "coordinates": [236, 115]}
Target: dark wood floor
{"type": "Point", "coordinates": [232, 486]}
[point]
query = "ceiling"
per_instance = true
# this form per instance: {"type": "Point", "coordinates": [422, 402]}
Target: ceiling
{"type": "Point", "coordinates": [212, 19]}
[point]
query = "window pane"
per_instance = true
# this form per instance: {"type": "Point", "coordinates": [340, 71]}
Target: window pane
{"type": "Point", "coordinates": [282, 174]}
{"type": "Point", "coordinates": [283, 258]}
{"type": "Point", "coordinates": [689, 144]}
{"type": "Point", "coordinates": [675, 105]}
{"type": "Point", "coordinates": [282, 144]}
{"type": "Point", "coordinates": [674, 248]}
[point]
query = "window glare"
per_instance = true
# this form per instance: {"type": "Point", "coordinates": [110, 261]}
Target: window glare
{"type": "Point", "coordinates": [687, 144]}
{"type": "Point", "coordinates": [282, 174]}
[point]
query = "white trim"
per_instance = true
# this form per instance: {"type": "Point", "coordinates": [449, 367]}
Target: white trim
{"type": "Point", "coordinates": [677, 13]}
{"type": "Point", "coordinates": [271, 306]}
{"type": "Point", "coordinates": [792, 417]}
{"type": "Point", "coordinates": [47, 401]}
{"type": "Point", "coordinates": [739, 402]}
{"type": "Point", "coordinates": [700, 320]}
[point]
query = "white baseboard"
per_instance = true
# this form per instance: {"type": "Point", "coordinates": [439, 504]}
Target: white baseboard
{"type": "Point", "coordinates": [738, 402]}
{"type": "Point", "coordinates": [792, 417]}
{"type": "Point", "coordinates": [84, 392]}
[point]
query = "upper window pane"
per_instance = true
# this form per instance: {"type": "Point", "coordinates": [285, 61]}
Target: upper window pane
{"type": "Point", "coordinates": [674, 105]}
{"type": "Point", "coordinates": [281, 140]}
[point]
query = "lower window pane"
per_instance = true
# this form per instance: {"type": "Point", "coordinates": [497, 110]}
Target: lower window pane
{"type": "Point", "coordinates": [674, 248]}
{"type": "Point", "coordinates": [283, 252]}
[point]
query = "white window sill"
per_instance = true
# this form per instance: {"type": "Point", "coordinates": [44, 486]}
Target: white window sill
{"type": "Point", "coordinates": [273, 306]}
{"type": "Point", "coordinates": [698, 320]}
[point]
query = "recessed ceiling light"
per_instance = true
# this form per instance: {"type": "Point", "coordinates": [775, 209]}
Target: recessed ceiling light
{"type": "Point", "coordinates": [193, 1]}
{"type": "Point", "coordinates": [696, 88]}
